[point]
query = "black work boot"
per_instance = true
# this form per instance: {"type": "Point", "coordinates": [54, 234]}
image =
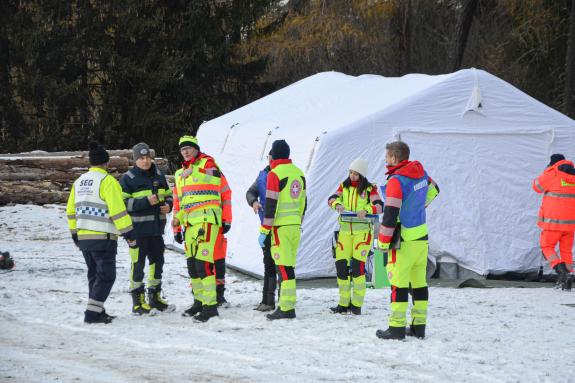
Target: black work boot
{"type": "Point", "coordinates": [339, 309]}
{"type": "Point", "coordinates": [139, 305]}
{"type": "Point", "coordinates": [416, 330]}
{"type": "Point", "coordinates": [207, 313]}
{"type": "Point", "coordinates": [92, 317]}
{"type": "Point", "coordinates": [563, 278]}
{"type": "Point", "coordinates": [222, 302]}
{"type": "Point", "coordinates": [264, 307]}
{"type": "Point", "coordinates": [396, 333]}
{"type": "Point", "coordinates": [355, 310]}
{"type": "Point", "coordinates": [194, 309]}
{"type": "Point", "coordinates": [270, 292]}
{"type": "Point", "coordinates": [156, 301]}
{"type": "Point", "coordinates": [279, 314]}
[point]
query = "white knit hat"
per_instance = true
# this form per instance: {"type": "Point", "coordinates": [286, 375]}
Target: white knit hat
{"type": "Point", "coordinates": [360, 166]}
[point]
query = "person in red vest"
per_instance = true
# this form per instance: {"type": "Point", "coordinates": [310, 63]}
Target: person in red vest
{"type": "Point", "coordinates": [557, 216]}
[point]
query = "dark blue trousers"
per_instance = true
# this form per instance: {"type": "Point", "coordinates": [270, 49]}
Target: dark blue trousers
{"type": "Point", "coordinates": [101, 273]}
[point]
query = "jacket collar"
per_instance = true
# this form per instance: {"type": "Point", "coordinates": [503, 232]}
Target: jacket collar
{"type": "Point", "coordinates": [280, 161]}
{"type": "Point", "coordinates": [99, 170]}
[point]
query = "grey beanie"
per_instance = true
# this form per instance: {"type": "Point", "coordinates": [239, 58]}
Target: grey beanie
{"type": "Point", "coordinates": [140, 150]}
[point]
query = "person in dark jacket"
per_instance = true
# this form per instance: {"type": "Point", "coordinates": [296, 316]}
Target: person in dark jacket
{"type": "Point", "coordinates": [256, 196]}
{"type": "Point", "coordinates": [148, 199]}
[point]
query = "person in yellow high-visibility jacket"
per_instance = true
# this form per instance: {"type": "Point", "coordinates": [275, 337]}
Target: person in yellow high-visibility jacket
{"type": "Point", "coordinates": [354, 241]}
{"type": "Point", "coordinates": [198, 212]}
{"type": "Point", "coordinates": [285, 206]}
{"type": "Point", "coordinates": [96, 217]}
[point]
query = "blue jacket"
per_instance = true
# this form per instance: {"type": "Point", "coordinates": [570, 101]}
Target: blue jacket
{"type": "Point", "coordinates": [257, 192]}
{"type": "Point", "coordinates": [137, 185]}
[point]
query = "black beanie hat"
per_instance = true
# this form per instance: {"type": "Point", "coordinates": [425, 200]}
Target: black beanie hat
{"type": "Point", "coordinates": [556, 158]}
{"type": "Point", "coordinates": [98, 155]}
{"type": "Point", "coordinates": [280, 150]}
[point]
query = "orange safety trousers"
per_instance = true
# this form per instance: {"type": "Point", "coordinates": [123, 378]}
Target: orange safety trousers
{"type": "Point", "coordinates": [221, 247]}
{"type": "Point", "coordinates": [548, 242]}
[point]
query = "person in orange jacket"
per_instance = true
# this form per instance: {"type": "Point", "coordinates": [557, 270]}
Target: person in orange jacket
{"type": "Point", "coordinates": [557, 216]}
{"type": "Point", "coordinates": [203, 209]}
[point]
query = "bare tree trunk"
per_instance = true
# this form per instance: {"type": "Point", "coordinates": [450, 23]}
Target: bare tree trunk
{"type": "Point", "coordinates": [463, 27]}
{"type": "Point", "coordinates": [570, 66]}
{"type": "Point", "coordinates": [11, 121]}
{"type": "Point", "coordinates": [404, 37]}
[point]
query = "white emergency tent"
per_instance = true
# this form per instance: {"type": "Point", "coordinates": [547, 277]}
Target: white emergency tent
{"type": "Point", "coordinates": [480, 138]}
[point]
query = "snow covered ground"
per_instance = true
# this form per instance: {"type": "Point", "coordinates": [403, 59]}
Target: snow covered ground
{"type": "Point", "coordinates": [474, 335]}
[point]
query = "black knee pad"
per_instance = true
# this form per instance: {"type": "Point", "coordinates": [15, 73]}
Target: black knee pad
{"type": "Point", "coordinates": [420, 294]}
{"type": "Point", "coordinates": [192, 268]}
{"type": "Point", "coordinates": [342, 269]}
{"type": "Point", "coordinates": [288, 273]}
{"type": "Point", "coordinates": [399, 294]}
{"type": "Point", "coordinates": [204, 269]}
{"type": "Point", "coordinates": [357, 268]}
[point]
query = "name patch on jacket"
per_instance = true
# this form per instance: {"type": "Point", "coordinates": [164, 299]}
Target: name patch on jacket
{"type": "Point", "coordinates": [85, 187]}
{"type": "Point", "coordinates": [420, 185]}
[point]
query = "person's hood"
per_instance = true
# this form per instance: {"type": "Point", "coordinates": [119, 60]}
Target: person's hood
{"type": "Point", "coordinates": [280, 161]}
{"type": "Point", "coordinates": [410, 169]}
{"type": "Point", "coordinates": [566, 171]}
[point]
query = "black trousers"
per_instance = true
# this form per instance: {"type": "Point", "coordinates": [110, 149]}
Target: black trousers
{"type": "Point", "coordinates": [101, 273]}
{"type": "Point", "coordinates": [270, 275]}
{"type": "Point", "coordinates": [153, 249]}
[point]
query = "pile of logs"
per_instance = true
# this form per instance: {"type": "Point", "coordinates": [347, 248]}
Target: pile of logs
{"type": "Point", "coordinates": [46, 177]}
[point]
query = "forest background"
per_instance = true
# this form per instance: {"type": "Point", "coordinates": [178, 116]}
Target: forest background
{"type": "Point", "coordinates": [125, 71]}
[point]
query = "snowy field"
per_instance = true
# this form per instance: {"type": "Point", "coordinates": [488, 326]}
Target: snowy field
{"type": "Point", "coordinates": [474, 335]}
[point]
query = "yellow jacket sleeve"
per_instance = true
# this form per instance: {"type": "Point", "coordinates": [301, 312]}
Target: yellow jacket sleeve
{"type": "Point", "coordinates": [432, 192]}
{"type": "Point", "coordinates": [111, 192]}
{"type": "Point", "coordinates": [71, 212]}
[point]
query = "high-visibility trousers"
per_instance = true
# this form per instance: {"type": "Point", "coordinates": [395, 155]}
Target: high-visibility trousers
{"type": "Point", "coordinates": [351, 252]}
{"type": "Point", "coordinates": [407, 266]}
{"type": "Point", "coordinates": [548, 242]}
{"type": "Point", "coordinates": [153, 249]}
{"type": "Point", "coordinates": [200, 245]}
{"type": "Point", "coordinates": [284, 245]}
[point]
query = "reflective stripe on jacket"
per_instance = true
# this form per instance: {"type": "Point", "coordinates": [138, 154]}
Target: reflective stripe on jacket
{"type": "Point", "coordinates": [349, 198]}
{"type": "Point", "coordinates": [137, 186]}
{"type": "Point", "coordinates": [197, 195]}
{"type": "Point", "coordinates": [285, 195]}
{"type": "Point", "coordinates": [95, 207]}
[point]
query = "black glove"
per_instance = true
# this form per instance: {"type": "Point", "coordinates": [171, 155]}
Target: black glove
{"type": "Point", "coordinates": [227, 226]}
{"type": "Point", "coordinates": [75, 239]}
{"type": "Point", "coordinates": [129, 236]}
{"type": "Point", "coordinates": [178, 237]}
